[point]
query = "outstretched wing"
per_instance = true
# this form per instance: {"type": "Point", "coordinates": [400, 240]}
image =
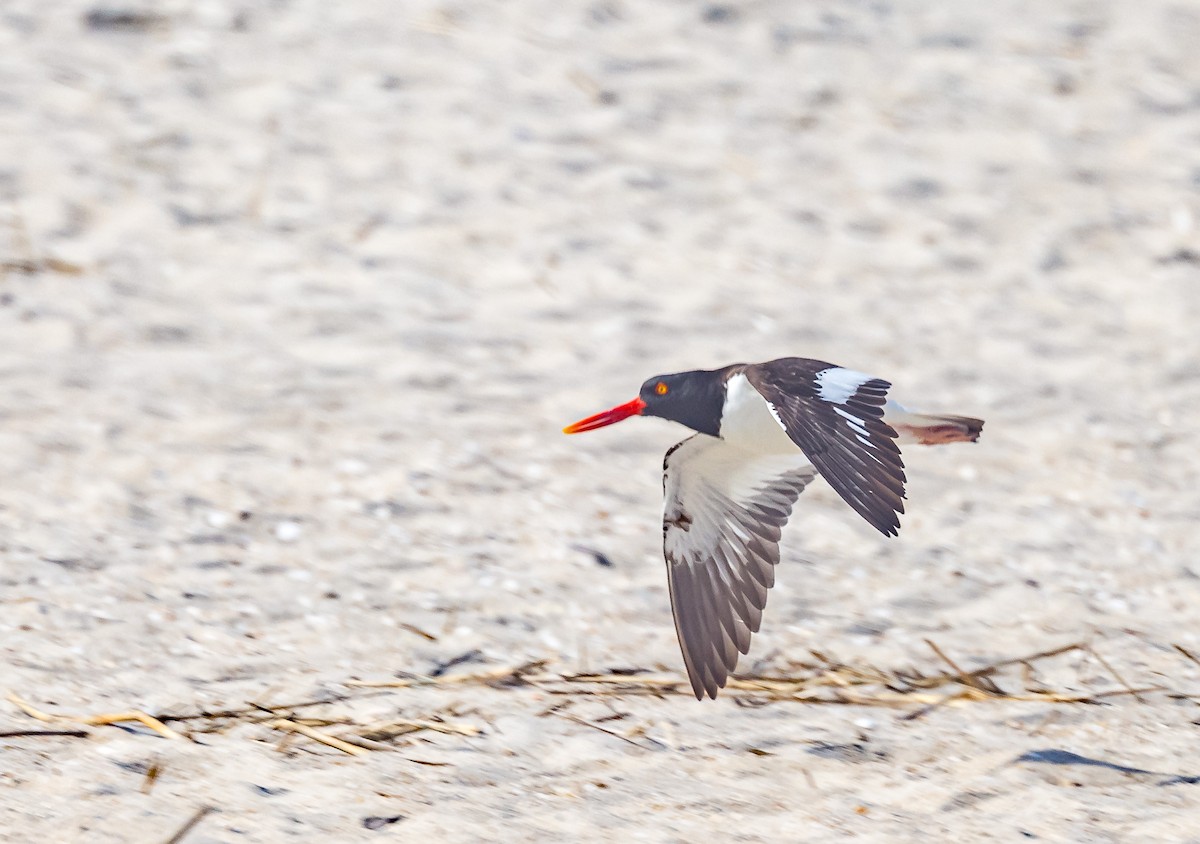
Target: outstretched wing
{"type": "Point", "coordinates": [835, 416]}
{"type": "Point", "coordinates": [722, 515]}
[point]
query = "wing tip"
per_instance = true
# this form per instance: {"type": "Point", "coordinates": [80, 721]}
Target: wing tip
{"type": "Point", "coordinates": [702, 691]}
{"type": "Point", "coordinates": [889, 525]}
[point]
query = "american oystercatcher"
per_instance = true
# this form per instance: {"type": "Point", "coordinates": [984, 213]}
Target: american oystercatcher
{"type": "Point", "coordinates": [763, 432]}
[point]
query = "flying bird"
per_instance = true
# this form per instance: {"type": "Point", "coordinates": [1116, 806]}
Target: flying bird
{"type": "Point", "coordinates": [763, 432]}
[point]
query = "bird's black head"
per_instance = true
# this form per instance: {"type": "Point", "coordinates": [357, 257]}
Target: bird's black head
{"type": "Point", "coordinates": [692, 398]}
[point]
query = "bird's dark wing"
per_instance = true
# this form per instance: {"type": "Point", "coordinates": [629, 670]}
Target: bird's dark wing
{"type": "Point", "coordinates": [722, 515]}
{"type": "Point", "coordinates": [835, 415]}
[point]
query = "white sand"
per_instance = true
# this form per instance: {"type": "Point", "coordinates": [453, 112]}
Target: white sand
{"type": "Point", "coordinates": [348, 267]}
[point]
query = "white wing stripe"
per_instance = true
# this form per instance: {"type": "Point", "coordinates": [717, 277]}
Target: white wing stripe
{"type": "Point", "coordinates": [838, 384]}
{"type": "Point", "coordinates": [856, 424]}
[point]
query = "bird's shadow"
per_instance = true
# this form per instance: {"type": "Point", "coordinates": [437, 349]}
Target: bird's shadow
{"type": "Point", "coordinates": [1055, 756]}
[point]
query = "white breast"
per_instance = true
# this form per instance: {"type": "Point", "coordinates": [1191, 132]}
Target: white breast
{"type": "Point", "coordinates": [749, 422]}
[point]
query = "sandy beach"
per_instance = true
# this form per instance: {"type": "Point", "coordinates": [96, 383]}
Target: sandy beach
{"type": "Point", "coordinates": [296, 297]}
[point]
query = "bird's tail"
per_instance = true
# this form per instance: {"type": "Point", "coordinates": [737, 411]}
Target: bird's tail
{"type": "Point", "coordinates": [931, 428]}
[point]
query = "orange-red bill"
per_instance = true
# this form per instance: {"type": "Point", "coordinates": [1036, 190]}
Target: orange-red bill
{"type": "Point", "coordinates": [608, 417]}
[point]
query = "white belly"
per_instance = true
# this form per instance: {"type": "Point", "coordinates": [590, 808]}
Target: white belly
{"type": "Point", "coordinates": [748, 422]}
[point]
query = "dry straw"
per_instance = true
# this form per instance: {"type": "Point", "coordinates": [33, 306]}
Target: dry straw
{"type": "Point", "coordinates": [822, 680]}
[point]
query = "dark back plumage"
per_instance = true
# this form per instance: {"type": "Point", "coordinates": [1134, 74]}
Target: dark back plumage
{"type": "Point", "coordinates": [835, 416]}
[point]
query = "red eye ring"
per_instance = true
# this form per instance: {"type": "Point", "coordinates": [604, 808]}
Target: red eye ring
{"type": "Point", "coordinates": [660, 388]}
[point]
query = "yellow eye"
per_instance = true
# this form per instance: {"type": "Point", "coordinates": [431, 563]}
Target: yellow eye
{"type": "Point", "coordinates": [660, 388]}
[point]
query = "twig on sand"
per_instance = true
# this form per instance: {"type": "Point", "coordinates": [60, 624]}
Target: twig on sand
{"type": "Point", "coordinates": [584, 723]}
{"type": "Point", "coordinates": [316, 735]}
{"type": "Point", "coordinates": [152, 774]}
{"type": "Point", "coordinates": [412, 628]}
{"type": "Point", "coordinates": [988, 670]}
{"type": "Point", "coordinates": [35, 733]}
{"type": "Point", "coordinates": [1187, 653]}
{"type": "Point", "coordinates": [509, 673]}
{"type": "Point", "coordinates": [972, 680]}
{"type": "Point", "coordinates": [1115, 673]}
{"type": "Point", "coordinates": [604, 730]}
{"type": "Point", "coordinates": [368, 744]}
{"type": "Point", "coordinates": [391, 729]}
{"type": "Point", "coordinates": [199, 815]}
{"type": "Point", "coordinates": [282, 718]}
{"type": "Point", "coordinates": [261, 709]}
{"type": "Point", "coordinates": [832, 682]}
{"type": "Point", "coordinates": [148, 721]}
